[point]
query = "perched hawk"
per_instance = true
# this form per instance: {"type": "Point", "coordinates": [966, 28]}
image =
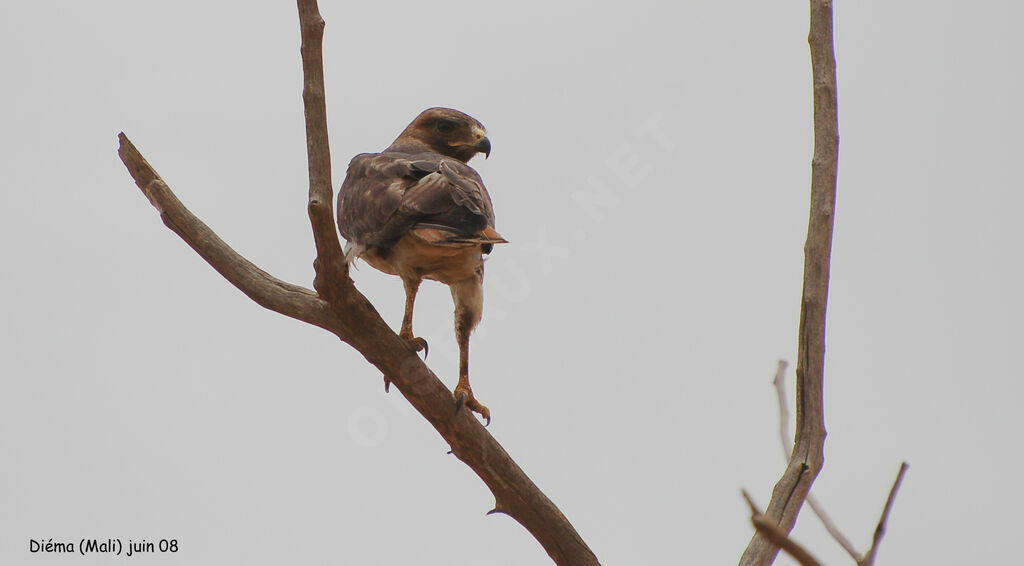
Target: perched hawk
{"type": "Point", "coordinates": [416, 210]}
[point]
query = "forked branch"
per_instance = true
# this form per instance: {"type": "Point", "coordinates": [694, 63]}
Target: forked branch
{"type": "Point", "coordinates": [269, 292]}
{"type": "Point", "coordinates": [767, 528]}
{"type": "Point", "coordinates": [868, 558]}
{"type": "Point", "coordinates": [338, 307]}
{"type": "Point", "coordinates": [332, 281]}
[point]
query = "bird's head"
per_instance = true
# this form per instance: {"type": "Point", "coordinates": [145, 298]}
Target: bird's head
{"type": "Point", "coordinates": [448, 132]}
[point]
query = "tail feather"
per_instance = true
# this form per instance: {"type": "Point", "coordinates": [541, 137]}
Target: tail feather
{"type": "Point", "coordinates": [441, 236]}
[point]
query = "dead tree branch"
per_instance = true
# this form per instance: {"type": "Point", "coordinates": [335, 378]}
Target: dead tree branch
{"type": "Point", "coordinates": [271, 293]}
{"type": "Point", "coordinates": [338, 307]}
{"type": "Point", "coordinates": [869, 556]}
{"type": "Point", "coordinates": [807, 457]}
{"type": "Point", "coordinates": [332, 281]}
{"type": "Point", "coordinates": [784, 435]}
{"type": "Point", "coordinates": [777, 536]}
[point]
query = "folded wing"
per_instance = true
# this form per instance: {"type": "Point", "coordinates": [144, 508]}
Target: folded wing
{"type": "Point", "coordinates": [387, 195]}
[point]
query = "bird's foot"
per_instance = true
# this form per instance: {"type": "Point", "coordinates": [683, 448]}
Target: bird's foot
{"type": "Point", "coordinates": [416, 344]}
{"type": "Point", "coordinates": [464, 397]}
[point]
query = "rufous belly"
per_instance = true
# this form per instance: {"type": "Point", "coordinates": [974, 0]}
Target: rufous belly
{"type": "Point", "coordinates": [415, 256]}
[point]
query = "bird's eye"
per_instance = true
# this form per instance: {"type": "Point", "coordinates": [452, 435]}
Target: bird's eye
{"type": "Point", "coordinates": [445, 126]}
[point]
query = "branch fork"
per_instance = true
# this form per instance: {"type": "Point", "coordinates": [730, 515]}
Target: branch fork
{"type": "Point", "coordinates": [338, 307]}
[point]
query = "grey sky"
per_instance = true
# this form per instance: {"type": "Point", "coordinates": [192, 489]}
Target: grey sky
{"type": "Point", "coordinates": [650, 168]}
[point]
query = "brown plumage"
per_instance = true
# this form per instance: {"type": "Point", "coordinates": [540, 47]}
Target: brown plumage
{"type": "Point", "coordinates": [416, 210]}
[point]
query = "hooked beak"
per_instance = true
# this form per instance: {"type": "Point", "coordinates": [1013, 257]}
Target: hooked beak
{"type": "Point", "coordinates": [483, 146]}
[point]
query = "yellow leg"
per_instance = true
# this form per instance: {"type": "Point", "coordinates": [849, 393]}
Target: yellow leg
{"type": "Point", "coordinates": [468, 298]}
{"type": "Point", "coordinates": [412, 285]}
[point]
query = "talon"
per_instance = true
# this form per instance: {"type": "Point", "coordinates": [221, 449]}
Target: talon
{"type": "Point", "coordinates": [476, 407]}
{"type": "Point", "coordinates": [387, 386]}
{"type": "Point", "coordinates": [416, 344]}
{"type": "Point", "coordinates": [464, 397]}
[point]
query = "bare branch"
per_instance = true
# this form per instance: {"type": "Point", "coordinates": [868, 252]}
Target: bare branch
{"type": "Point", "coordinates": [869, 558]}
{"type": "Point", "coordinates": [339, 308]}
{"type": "Point", "coordinates": [807, 457]}
{"type": "Point", "coordinates": [784, 435]}
{"type": "Point", "coordinates": [274, 294]}
{"type": "Point", "coordinates": [777, 536]}
{"type": "Point", "coordinates": [332, 280]}
{"type": "Point", "coordinates": [780, 389]}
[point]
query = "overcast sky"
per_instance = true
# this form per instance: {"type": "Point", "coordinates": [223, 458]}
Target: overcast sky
{"type": "Point", "coordinates": [651, 170]}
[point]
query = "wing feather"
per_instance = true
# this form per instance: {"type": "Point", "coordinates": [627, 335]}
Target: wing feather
{"type": "Point", "coordinates": [385, 195]}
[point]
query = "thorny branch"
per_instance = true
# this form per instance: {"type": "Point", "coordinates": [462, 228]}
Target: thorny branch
{"type": "Point", "coordinates": [338, 307]}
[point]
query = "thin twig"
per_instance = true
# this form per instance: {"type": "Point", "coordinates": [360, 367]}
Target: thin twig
{"type": "Point", "coordinates": [869, 558]}
{"type": "Point", "coordinates": [780, 389]}
{"type": "Point", "coordinates": [784, 435]}
{"type": "Point", "coordinates": [777, 536]}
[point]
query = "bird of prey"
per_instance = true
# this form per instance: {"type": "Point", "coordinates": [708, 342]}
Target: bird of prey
{"type": "Point", "coordinates": [418, 211]}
